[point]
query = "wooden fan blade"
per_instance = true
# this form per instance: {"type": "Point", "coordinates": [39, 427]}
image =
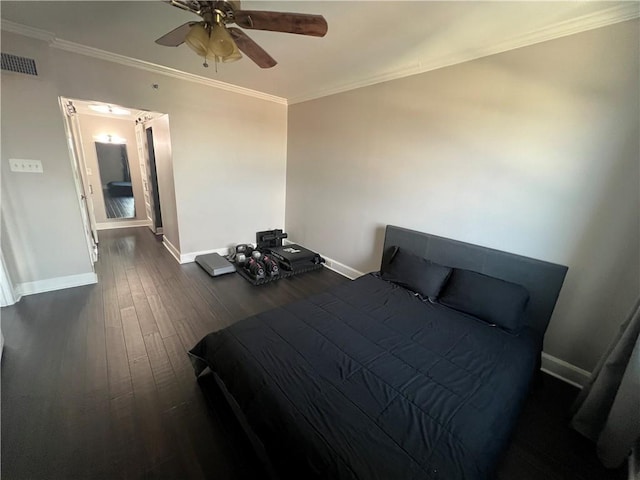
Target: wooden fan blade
{"type": "Point", "coordinates": [176, 36]}
{"type": "Point", "coordinates": [300, 23]}
{"type": "Point", "coordinates": [251, 49]}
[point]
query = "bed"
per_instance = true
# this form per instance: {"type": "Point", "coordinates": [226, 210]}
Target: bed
{"type": "Point", "coordinates": [381, 378]}
{"type": "Point", "coordinates": [120, 189]}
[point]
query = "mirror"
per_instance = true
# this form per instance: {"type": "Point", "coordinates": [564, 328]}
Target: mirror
{"type": "Point", "coordinates": [115, 177]}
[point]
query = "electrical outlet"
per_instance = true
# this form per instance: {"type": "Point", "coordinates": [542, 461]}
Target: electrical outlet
{"type": "Point", "coordinates": [25, 166]}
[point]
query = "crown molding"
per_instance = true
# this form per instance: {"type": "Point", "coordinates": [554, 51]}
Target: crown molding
{"type": "Point", "coordinates": [18, 28]}
{"type": "Point", "coordinates": [133, 62]}
{"type": "Point", "coordinates": [161, 69]}
{"type": "Point", "coordinates": [603, 18]}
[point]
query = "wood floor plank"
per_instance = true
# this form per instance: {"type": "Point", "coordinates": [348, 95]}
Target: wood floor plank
{"type": "Point", "coordinates": [146, 278]}
{"type": "Point", "coordinates": [157, 441]}
{"type": "Point", "coordinates": [111, 308]}
{"type": "Point", "coordinates": [161, 316]}
{"type": "Point", "coordinates": [193, 468]}
{"type": "Point", "coordinates": [126, 451]}
{"type": "Point", "coordinates": [163, 375]}
{"type": "Point", "coordinates": [173, 303]}
{"type": "Point", "coordinates": [96, 352]}
{"type": "Point", "coordinates": [135, 285]}
{"type": "Point", "coordinates": [125, 299]}
{"type": "Point", "coordinates": [148, 259]}
{"type": "Point", "coordinates": [200, 282]}
{"type": "Point", "coordinates": [117, 363]}
{"type": "Point", "coordinates": [187, 334]}
{"type": "Point", "coordinates": [132, 334]}
{"type": "Point", "coordinates": [177, 353]}
{"type": "Point", "coordinates": [146, 319]}
{"type": "Point", "coordinates": [198, 303]}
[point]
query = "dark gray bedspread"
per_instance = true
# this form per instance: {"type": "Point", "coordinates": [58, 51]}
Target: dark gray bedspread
{"type": "Point", "coordinates": [368, 382]}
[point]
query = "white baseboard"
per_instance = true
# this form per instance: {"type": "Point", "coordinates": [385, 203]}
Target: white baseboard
{"type": "Point", "coordinates": [172, 249]}
{"type": "Point", "coordinates": [122, 224]}
{"type": "Point", "coordinates": [58, 283]}
{"type": "Point", "coordinates": [17, 296]}
{"type": "Point", "coordinates": [341, 268]}
{"type": "Point", "coordinates": [9, 294]}
{"type": "Point", "coordinates": [564, 371]}
{"type": "Point", "coordinates": [331, 264]}
{"type": "Point", "coordinates": [190, 257]}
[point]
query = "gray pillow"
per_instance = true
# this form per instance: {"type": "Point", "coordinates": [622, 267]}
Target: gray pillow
{"type": "Point", "coordinates": [490, 299]}
{"type": "Point", "coordinates": [415, 273]}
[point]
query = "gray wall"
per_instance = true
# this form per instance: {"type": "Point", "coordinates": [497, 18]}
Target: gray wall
{"type": "Point", "coordinates": [166, 185]}
{"type": "Point", "coordinates": [229, 158]}
{"type": "Point", "coordinates": [228, 149]}
{"type": "Point", "coordinates": [42, 233]}
{"type": "Point", "coordinates": [533, 151]}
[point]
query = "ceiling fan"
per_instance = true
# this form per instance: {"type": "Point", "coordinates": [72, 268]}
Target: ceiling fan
{"type": "Point", "coordinates": [212, 38]}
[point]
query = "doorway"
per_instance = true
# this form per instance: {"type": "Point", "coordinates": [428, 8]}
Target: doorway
{"type": "Point", "coordinates": [106, 142]}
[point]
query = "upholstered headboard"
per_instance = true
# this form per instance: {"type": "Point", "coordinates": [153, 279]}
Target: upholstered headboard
{"type": "Point", "coordinates": [542, 279]}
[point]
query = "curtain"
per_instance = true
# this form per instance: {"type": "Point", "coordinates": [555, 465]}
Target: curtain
{"type": "Point", "coordinates": [607, 410]}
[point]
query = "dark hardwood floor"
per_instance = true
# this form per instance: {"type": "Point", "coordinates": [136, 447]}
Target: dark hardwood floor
{"type": "Point", "coordinates": [96, 382]}
{"type": "Point", "coordinates": [119, 207]}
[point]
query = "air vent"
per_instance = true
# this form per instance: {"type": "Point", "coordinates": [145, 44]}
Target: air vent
{"type": "Point", "coordinates": [13, 63]}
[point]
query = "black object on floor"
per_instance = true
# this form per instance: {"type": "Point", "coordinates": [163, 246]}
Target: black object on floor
{"type": "Point", "coordinates": [293, 256]}
{"type": "Point", "coordinates": [269, 238]}
{"type": "Point", "coordinates": [282, 274]}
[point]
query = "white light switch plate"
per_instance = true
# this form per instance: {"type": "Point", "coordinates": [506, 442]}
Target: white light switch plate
{"type": "Point", "coordinates": [23, 165]}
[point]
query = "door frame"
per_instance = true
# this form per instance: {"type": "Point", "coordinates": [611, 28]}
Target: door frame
{"type": "Point", "coordinates": [149, 172]}
{"type": "Point", "coordinates": [79, 176]}
{"type": "Point", "coordinates": [142, 119]}
{"type": "Point", "coordinates": [8, 294]}
{"type": "Point", "coordinates": [153, 177]}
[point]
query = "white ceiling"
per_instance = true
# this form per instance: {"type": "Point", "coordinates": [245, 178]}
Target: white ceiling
{"type": "Point", "coordinates": [367, 41]}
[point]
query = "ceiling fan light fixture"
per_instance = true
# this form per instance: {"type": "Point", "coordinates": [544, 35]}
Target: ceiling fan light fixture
{"type": "Point", "coordinates": [220, 42]}
{"type": "Point", "coordinates": [198, 39]}
{"type": "Point", "coordinates": [235, 55]}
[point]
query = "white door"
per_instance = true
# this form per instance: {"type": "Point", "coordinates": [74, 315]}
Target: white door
{"type": "Point", "coordinates": [80, 176]}
{"type": "Point", "coordinates": [7, 295]}
{"type": "Point", "coordinates": [145, 170]}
